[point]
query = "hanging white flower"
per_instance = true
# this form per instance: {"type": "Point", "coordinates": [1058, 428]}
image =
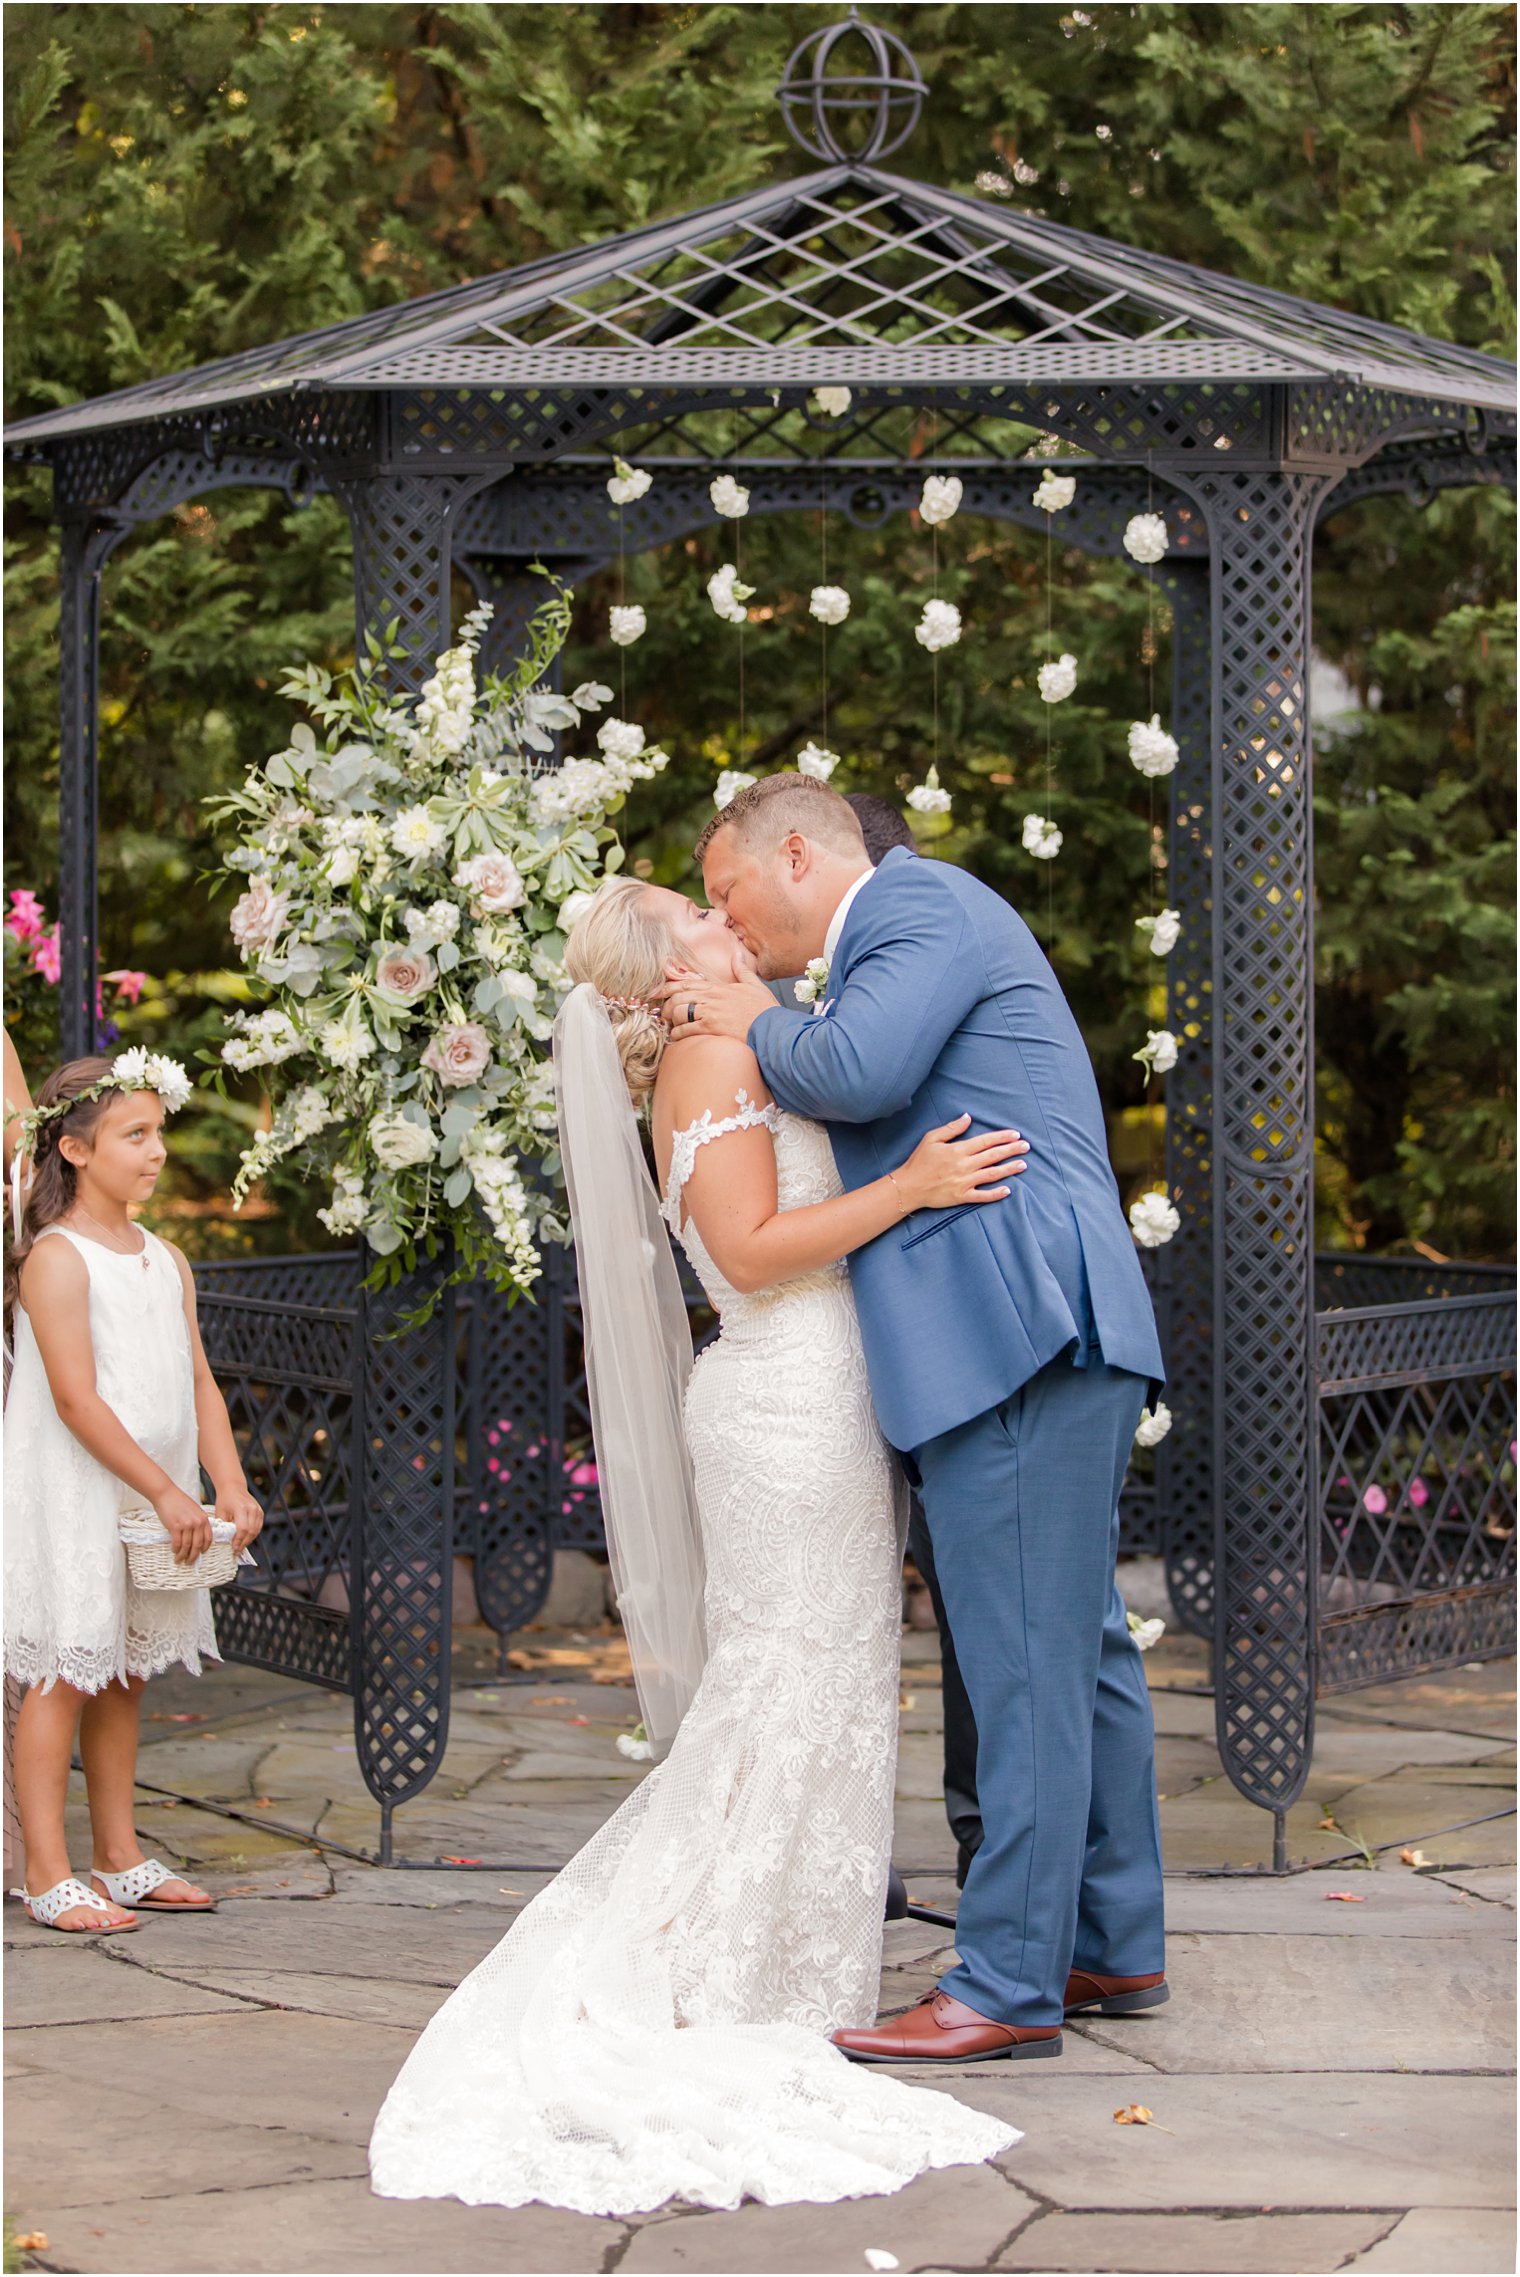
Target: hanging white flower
{"type": "Point", "coordinates": [939, 626]}
{"type": "Point", "coordinates": [1145, 1633]}
{"type": "Point", "coordinates": [728, 596]}
{"type": "Point", "coordinates": [1151, 749]}
{"type": "Point", "coordinates": [927, 797]}
{"type": "Point", "coordinates": [814, 760]}
{"type": "Point", "coordinates": [730, 498]}
{"type": "Point", "coordinates": [1058, 680]}
{"type": "Point", "coordinates": [1159, 1051]}
{"type": "Point", "coordinates": [1154, 1424]}
{"type": "Point", "coordinates": [635, 1746]}
{"type": "Point", "coordinates": [1055, 491]}
{"type": "Point", "coordinates": [627, 625]}
{"type": "Point", "coordinates": [1153, 1220]}
{"type": "Point", "coordinates": [830, 604]}
{"type": "Point", "coordinates": [620, 739]}
{"type": "Point", "coordinates": [1164, 931]}
{"type": "Point", "coordinates": [626, 483]}
{"type": "Point", "coordinates": [941, 498]}
{"type": "Point", "coordinates": [833, 402]}
{"type": "Point", "coordinates": [730, 783]}
{"type": "Point", "coordinates": [1145, 537]}
{"type": "Point", "coordinates": [1041, 838]}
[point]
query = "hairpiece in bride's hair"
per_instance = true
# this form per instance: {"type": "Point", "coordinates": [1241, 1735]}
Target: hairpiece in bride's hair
{"type": "Point", "coordinates": [630, 1004]}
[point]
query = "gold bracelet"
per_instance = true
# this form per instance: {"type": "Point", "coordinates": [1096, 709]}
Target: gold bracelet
{"type": "Point", "coordinates": [897, 1190]}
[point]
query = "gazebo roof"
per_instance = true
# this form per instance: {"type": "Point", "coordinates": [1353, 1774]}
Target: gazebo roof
{"type": "Point", "coordinates": [848, 275]}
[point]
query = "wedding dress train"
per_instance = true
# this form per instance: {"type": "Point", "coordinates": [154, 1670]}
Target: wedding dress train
{"type": "Point", "coordinates": [655, 2025]}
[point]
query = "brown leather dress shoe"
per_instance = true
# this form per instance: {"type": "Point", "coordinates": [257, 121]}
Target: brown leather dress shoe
{"type": "Point", "coordinates": [1087, 1994]}
{"type": "Point", "coordinates": [946, 2031]}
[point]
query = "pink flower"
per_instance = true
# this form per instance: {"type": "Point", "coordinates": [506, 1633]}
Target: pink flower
{"type": "Point", "coordinates": [25, 919]}
{"type": "Point", "coordinates": [258, 915]}
{"type": "Point", "coordinates": [459, 1055]}
{"type": "Point", "coordinates": [402, 975]}
{"type": "Point", "coordinates": [1419, 1493]}
{"type": "Point", "coordinates": [129, 985]}
{"type": "Point", "coordinates": [47, 956]}
{"type": "Point", "coordinates": [493, 884]}
{"type": "Point", "coordinates": [1375, 1501]}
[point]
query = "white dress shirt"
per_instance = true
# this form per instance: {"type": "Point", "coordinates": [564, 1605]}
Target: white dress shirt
{"type": "Point", "coordinates": [836, 922]}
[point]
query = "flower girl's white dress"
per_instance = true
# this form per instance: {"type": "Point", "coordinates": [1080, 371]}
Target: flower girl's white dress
{"type": "Point", "coordinates": [655, 2024]}
{"type": "Point", "coordinates": [70, 1610]}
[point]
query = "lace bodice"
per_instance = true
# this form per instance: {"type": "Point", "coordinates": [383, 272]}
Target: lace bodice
{"type": "Point", "coordinates": [805, 1174]}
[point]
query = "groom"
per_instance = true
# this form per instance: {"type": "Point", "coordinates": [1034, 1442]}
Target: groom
{"type": "Point", "coordinates": [1010, 1350]}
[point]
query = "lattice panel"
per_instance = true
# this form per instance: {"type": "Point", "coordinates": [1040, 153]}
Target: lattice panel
{"type": "Point", "coordinates": [1261, 526]}
{"type": "Point", "coordinates": [309, 1642]}
{"type": "Point", "coordinates": [1447, 1631]}
{"type": "Point", "coordinates": [1185, 1466]}
{"type": "Point", "coordinates": [326, 1278]}
{"type": "Point", "coordinates": [1343, 1278]}
{"type": "Point", "coordinates": [1420, 470]}
{"type": "Point", "coordinates": [401, 525]}
{"type": "Point", "coordinates": [1342, 420]}
{"type": "Point", "coordinates": [515, 1461]}
{"type": "Point", "coordinates": [1397, 1343]}
{"type": "Point", "coordinates": [404, 1569]}
{"type": "Point", "coordinates": [1418, 1488]}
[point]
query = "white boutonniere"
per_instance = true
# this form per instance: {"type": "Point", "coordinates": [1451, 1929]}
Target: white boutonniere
{"type": "Point", "coordinates": [814, 984]}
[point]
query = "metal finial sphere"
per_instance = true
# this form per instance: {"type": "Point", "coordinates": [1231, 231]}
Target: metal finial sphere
{"type": "Point", "coordinates": [864, 110]}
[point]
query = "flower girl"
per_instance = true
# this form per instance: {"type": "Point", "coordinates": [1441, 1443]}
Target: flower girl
{"type": "Point", "coordinates": [112, 1405]}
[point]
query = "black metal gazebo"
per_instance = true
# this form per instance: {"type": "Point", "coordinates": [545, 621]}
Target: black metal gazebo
{"type": "Point", "coordinates": [471, 431]}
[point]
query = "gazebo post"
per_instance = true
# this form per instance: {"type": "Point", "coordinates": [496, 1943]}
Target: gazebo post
{"type": "Point", "coordinates": [1261, 531]}
{"type": "Point", "coordinates": [85, 545]}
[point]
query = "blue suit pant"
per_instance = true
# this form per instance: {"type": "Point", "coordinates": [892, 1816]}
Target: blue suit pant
{"type": "Point", "coordinates": [1022, 1509]}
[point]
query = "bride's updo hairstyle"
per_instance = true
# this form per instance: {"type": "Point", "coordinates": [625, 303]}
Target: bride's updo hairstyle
{"type": "Point", "coordinates": [621, 949]}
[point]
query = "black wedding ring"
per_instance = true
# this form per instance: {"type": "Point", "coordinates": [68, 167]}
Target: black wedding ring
{"type": "Point", "coordinates": [691, 1012]}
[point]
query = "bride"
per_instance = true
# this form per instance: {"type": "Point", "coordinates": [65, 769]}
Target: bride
{"type": "Point", "coordinates": [655, 2025]}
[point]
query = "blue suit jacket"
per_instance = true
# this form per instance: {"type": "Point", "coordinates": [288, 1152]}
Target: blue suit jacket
{"type": "Point", "coordinates": [940, 1003]}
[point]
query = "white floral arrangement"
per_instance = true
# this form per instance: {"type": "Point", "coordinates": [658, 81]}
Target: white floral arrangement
{"type": "Point", "coordinates": [1151, 749]}
{"type": "Point", "coordinates": [1162, 933]}
{"type": "Point", "coordinates": [833, 402]}
{"type": "Point", "coordinates": [627, 483]}
{"type": "Point", "coordinates": [814, 984]}
{"type": "Point", "coordinates": [1058, 680]}
{"type": "Point", "coordinates": [939, 626]}
{"type": "Point", "coordinates": [730, 498]}
{"type": "Point", "coordinates": [813, 759]}
{"type": "Point", "coordinates": [1042, 838]}
{"type": "Point", "coordinates": [830, 604]}
{"type": "Point", "coordinates": [409, 872]}
{"type": "Point", "coordinates": [941, 499]}
{"type": "Point", "coordinates": [928, 797]}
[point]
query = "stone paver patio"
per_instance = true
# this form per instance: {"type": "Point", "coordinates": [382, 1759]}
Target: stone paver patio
{"type": "Point", "coordinates": [1331, 2086]}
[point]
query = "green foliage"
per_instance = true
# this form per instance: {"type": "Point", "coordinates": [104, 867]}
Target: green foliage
{"type": "Point", "coordinates": [188, 181]}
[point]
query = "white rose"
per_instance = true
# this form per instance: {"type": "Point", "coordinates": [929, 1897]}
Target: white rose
{"type": "Point", "coordinates": [730, 782]}
{"type": "Point", "coordinates": [730, 498]}
{"type": "Point", "coordinates": [833, 402]}
{"type": "Point", "coordinates": [397, 1144]}
{"type": "Point", "coordinates": [1153, 1220]}
{"type": "Point", "coordinates": [1041, 838]}
{"type": "Point", "coordinates": [927, 797]}
{"type": "Point", "coordinates": [1158, 1052]}
{"type": "Point", "coordinates": [728, 596]}
{"type": "Point", "coordinates": [1165, 931]}
{"type": "Point", "coordinates": [1145, 537]}
{"type": "Point", "coordinates": [813, 760]}
{"type": "Point", "coordinates": [493, 884]}
{"type": "Point", "coordinates": [259, 915]}
{"type": "Point", "coordinates": [830, 604]}
{"type": "Point", "coordinates": [1154, 1425]}
{"type": "Point", "coordinates": [1151, 749]}
{"type": "Point", "coordinates": [1055, 491]}
{"type": "Point", "coordinates": [626, 483]}
{"type": "Point", "coordinates": [627, 625]}
{"type": "Point", "coordinates": [520, 985]}
{"type": "Point", "coordinates": [1058, 680]}
{"type": "Point", "coordinates": [939, 626]}
{"type": "Point", "coordinates": [942, 496]}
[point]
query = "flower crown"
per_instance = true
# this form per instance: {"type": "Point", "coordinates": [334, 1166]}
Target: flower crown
{"type": "Point", "coordinates": [134, 1070]}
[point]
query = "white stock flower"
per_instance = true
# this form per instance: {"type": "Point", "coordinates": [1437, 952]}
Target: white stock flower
{"type": "Point", "coordinates": [833, 402]}
{"type": "Point", "coordinates": [345, 1042]}
{"type": "Point", "coordinates": [308, 1111]}
{"type": "Point", "coordinates": [1055, 491]}
{"type": "Point", "coordinates": [1159, 1051]}
{"type": "Point", "coordinates": [727, 595]}
{"type": "Point", "coordinates": [620, 739]}
{"type": "Point", "coordinates": [941, 498]}
{"type": "Point", "coordinates": [830, 604]}
{"type": "Point", "coordinates": [1154, 1424]}
{"type": "Point", "coordinates": [266, 1039]}
{"type": "Point", "coordinates": [579, 787]}
{"type": "Point", "coordinates": [417, 835]}
{"type": "Point", "coordinates": [939, 626]}
{"type": "Point", "coordinates": [927, 797]}
{"type": "Point", "coordinates": [398, 1144]}
{"type": "Point", "coordinates": [730, 498]}
{"type": "Point", "coordinates": [446, 707]}
{"type": "Point", "coordinates": [730, 783]}
{"type": "Point", "coordinates": [1041, 838]}
{"type": "Point", "coordinates": [1146, 1633]}
{"type": "Point", "coordinates": [349, 1207]}
{"type": "Point", "coordinates": [1145, 537]}
{"type": "Point", "coordinates": [1163, 932]}
{"type": "Point", "coordinates": [1153, 1220]}
{"type": "Point", "coordinates": [627, 625]}
{"type": "Point", "coordinates": [442, 919]}
{"type": "Point", "coordinates": [1151, 749]}
{"type": "Point", "coordinates": [1058, 680]}
{"type": "Point", "coordinates": [626, 483]}
{"type": "Point", "coordinates": [814, 760]}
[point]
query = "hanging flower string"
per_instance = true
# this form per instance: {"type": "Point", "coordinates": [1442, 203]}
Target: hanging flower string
{"type": "Point", "coordinates": [1153, 1218]}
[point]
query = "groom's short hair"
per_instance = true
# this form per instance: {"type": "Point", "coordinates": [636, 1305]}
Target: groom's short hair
{"type": "Point", "coordinates": [764, 813]}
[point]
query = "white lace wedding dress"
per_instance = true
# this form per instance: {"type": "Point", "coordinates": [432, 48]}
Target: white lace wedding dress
{"type": "Point", "coordinates": [655, 2025]}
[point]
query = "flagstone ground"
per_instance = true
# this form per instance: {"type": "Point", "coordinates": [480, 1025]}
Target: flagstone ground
{"type": "Point", "coordinates": [1329, 2088]}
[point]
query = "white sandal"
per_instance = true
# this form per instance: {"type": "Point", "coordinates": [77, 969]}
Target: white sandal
{"type": "Point", "coordinates": [63, 1898]}
{"type": "Point", "coordinates": [136, 1884]}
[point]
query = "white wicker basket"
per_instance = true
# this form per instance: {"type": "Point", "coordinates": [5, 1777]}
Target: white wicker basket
{"type": "Point", "coordinates": [150, 1553]}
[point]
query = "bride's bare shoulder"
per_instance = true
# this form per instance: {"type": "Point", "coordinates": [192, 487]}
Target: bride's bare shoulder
{"type": "Point", "coordinates": [706, 1072]}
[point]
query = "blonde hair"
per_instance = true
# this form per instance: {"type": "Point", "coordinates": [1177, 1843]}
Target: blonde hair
{"type": "Point", "coordinates": [621, 949]}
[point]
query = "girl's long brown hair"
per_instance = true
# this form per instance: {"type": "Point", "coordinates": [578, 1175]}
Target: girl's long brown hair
{"type": "Point", "coordinates": [50, 1196]}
